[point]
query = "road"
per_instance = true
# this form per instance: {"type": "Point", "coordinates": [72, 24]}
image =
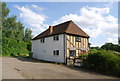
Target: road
{"type": "Point", "coordinates": [24, 68]}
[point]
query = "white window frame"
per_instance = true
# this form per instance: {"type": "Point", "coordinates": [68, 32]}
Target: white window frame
{"type": "Point", "coordinates": [56, 52]}
{"type": "Point", "coordinates": [78, 39]}
{"type": "Point", "coordinates": [42, 40]}
{"type": "Point", "coordinates": [56, 38]}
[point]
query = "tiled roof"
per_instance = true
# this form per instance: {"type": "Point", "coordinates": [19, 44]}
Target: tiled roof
{"type": "Point", "coordinates": [68, 27]}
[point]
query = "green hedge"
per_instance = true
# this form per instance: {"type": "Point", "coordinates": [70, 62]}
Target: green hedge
{"type": "Point", "coordinates": [12, 47]}
{"type": "Point", "coordinates": [102, 61]}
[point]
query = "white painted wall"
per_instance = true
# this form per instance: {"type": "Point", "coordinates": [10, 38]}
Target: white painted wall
{"type": "Point", "coordinates": [44, 51]}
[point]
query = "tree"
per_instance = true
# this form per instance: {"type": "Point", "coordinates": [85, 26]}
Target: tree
{"type": "Point", "coordinates": [110, 46]}
{"type": "Point", "coordinates": [5, 10]}
{"type": "Point", "coordinates": [13, 34]}
{"type": "Point", "coordinates": [95, 47]}
{"type": "Point", "coordinates": [27, 36]}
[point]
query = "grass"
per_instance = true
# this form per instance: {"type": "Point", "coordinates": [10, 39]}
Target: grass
{"type": "Point", "coordinates": [14, 55]}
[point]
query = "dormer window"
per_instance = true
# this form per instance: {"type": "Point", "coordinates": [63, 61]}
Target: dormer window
{"type": "Point", "coordinates": [42, 40]}
{"type": "Point", "coordinates": [56, 37]}
{"type": "Point", "coordinates": [78, 39]}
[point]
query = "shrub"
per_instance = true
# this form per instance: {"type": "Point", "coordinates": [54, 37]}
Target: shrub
{"type": "Point", "coordinates": [103, 61]}
{"type": "Point", "coordinates": [11, 47]}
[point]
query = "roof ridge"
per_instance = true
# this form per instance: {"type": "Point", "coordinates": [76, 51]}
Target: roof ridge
{"type": "Point", "coordinates": [62, 23]}
{"type": "Point", "coordinates": [80, 28]}
{"type": "Point", "coordinates": [68, 25]}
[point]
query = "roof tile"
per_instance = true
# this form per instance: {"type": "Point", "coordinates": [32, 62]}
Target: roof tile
{"type": "Point", "coordinates": [68, 27]}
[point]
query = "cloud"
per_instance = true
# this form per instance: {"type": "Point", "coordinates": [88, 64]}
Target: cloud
{"type": "Point", "coordinates": [94, 21]}
{"type": "Point", "coordinates": [112, 40]}
{"type": "Point", "coordinates": [109, 4]}
{"type": "Point", "coordinates": [33, 19]}
{"type": "Point", "coordinates": [37, 7]}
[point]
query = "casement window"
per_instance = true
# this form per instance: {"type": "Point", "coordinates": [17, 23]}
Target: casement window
{"type": "Point", "coordinates": [42, 40]}
{"type": "Point", "coordinates": [72, 52]}
{"type": "Point", "coordinates": [56, 37]}
{"type": "Point", "coordinates": [78, 39]}
{"type": "Point", "coordinates": [56, 52]}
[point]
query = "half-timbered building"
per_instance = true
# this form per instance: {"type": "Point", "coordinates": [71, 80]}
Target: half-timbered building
{"type": "Point", "coordinates": [59, 42]}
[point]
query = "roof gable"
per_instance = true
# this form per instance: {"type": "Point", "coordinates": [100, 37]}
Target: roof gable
{"type": "Point", "coordinates": [68, 27]}
{"type": "Point", "coordinates": [74, 29]}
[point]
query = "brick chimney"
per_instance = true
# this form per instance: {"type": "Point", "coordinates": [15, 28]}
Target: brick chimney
{"type": "Point", "coordinates": [50, 29]}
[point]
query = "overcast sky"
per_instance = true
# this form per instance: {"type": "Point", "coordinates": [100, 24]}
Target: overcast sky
{"type": "Point", "coordinates": [97, 19]}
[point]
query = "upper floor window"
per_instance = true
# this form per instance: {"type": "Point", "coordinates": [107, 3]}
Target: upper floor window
{"type": "Point", "coordinates": [56, 37]}
{"type": "Point", "coordinates": [56, 52]}
{"type": "Point", "coordinates": [78, 39]}
{"type": "Point", "coordinates": [42, 40]}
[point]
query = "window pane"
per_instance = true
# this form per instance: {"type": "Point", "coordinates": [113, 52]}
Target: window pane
{"type": "Point", "coordinates": [54, 38]}
{"type": "Point", "coordinates": [43, 40]}
{"type": "Point", "coordinates": [57, 51]}
{"type": "Point", "coordinates": [57, 37]}
{"type": "Point", "coordinates": [72, 52]}
{"type": "Point", "coordinates": [78, 39]}
{"type": "Point", "coordinates": [53, 52]}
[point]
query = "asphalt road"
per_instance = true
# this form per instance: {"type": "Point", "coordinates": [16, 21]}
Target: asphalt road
{"type": "Point", "coordinates": [24, 68]}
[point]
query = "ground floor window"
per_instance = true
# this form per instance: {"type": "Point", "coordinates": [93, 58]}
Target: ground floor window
{"type": "Point", "coordinates": [55, 52]}
{"type": "Point", "coordinates": [72, 52]}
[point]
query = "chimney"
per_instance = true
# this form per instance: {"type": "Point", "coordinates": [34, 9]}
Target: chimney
{"type": "Point", "coordinates": [50, 29]}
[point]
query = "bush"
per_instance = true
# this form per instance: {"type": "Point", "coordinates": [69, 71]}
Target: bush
{"type": "Point", "coordinates": [12, 55]}
{"type": "Point", "coordinates": [103, 61]}
{"type": "Point", "coordinates": [11, 47]}
{"type": "Point", "coordinates": [110, 46]}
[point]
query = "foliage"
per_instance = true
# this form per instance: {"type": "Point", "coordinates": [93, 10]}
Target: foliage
{"type": "Point", "coordinates": [110, 46]}
{"type": "Point", "coordinates": [11, 46]}
{"type": "Point", "coordinates": [103, 61]}
{"type": "Point", "coordinates": [28, 36]}
{"type": "Point", "coordinates": [95, 47]}
{"type": "Point", "coordinates": [16, 39]}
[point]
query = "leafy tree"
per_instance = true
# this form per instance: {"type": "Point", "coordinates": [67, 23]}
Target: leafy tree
{"type": "Point", "coordinates": [5, 10]}
{"type": "Point", "coordinates": [16, 40]}
{"type": "Point", "coordinates": [95, 47]}
{"type": "Point", "coordinates": [27, 36]}
{"type": "Point", "coordinates": [110, 46]}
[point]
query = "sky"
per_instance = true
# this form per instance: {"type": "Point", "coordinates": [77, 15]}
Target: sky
{"type": "Point", "coordinates": [98, 19]}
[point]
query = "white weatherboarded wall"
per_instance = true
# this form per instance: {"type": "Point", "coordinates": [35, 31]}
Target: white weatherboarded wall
{"type": "Point", "coordinates": [44, 51]}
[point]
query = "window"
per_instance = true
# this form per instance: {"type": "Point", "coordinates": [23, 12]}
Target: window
{"type": "Point", "coordinates": [78, 39]}
{"type": "Point", "coordinates": [72, 52]}
{"type": "Point", "coordinates": [42, 40]}
{"type": "Point", "coordinates": [56, 37]}
{"type": "Point", "coordinates": [56, 52]}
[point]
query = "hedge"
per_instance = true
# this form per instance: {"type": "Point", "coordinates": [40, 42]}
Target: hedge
{"type": "Point", "coordinates": [12, 47]}
{"type": "Point", "coordinates": [102, 61]}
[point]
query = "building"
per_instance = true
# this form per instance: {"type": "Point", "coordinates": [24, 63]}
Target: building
{"type": "Point", "coordinates": [59, 42]}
